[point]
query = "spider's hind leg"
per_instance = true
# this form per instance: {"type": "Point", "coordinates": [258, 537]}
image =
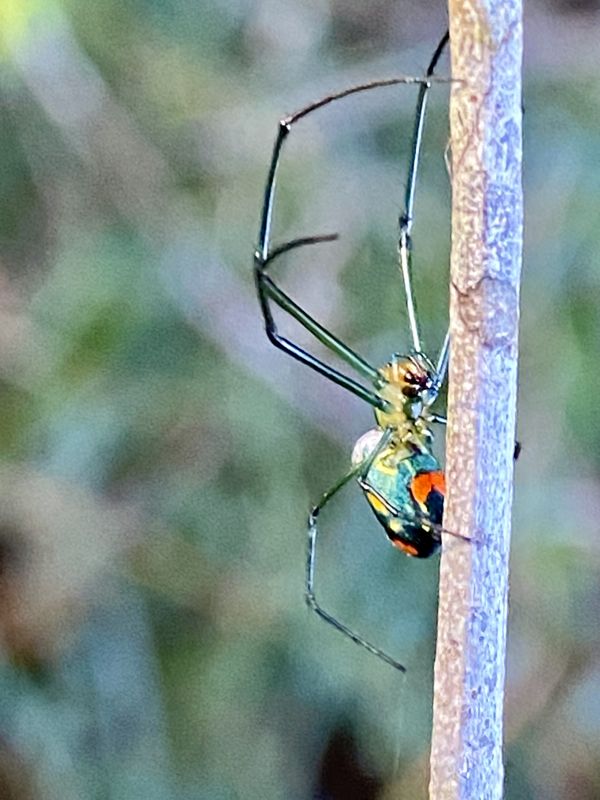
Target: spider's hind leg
{"type": "Point", "coordinates": [358, 470]}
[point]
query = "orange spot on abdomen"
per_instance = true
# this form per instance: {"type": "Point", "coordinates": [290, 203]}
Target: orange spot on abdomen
{"type": "Point", "coordinates": [409, 549]}
{"type": "Point", "coordinates": [421, 485]}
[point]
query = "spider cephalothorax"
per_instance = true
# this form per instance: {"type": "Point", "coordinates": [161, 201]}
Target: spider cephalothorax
{"type": "Point", "coordinates": [411, 384]}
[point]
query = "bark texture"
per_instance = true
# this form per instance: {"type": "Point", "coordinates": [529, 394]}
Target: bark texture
{"type": "Point", "coordinates": [487, 209]}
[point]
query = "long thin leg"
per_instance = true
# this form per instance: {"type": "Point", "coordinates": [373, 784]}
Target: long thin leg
{"type": "Point", "coordinates": [285, 126]}
{"type": "Point", "coordinates": [358, 470]}
{"type": "Point", "coordinates": [442, 363]}
{"type": "Point", "coordinates": [267, 289]}
{"type": "Point", "coordinates": [406, 218]}
{"type": "Point", "coordinates": [441, 420]}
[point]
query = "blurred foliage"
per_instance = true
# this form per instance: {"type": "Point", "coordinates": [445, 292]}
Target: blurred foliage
{"type": "Point", "coordinates": [158, 458]}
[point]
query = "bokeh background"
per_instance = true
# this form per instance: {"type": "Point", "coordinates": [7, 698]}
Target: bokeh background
{"type": "Point", "coordinates": [158, 457]}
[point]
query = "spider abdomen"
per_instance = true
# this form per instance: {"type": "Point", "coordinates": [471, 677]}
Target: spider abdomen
{"type": "Point", "coordinates": [407, 497]}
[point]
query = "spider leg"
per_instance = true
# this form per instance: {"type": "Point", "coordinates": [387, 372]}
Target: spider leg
{"type": "Point", "coordinates": [441, 420]}
{"type": "Point", "coordinates": [441, 368]}
{"type": "Point", "coordinates": [406, 217]}
{"type": "Point", "coordinates": [359, 469]}
{"type": "Point", "coordinates": [444, 355]}
{"type": "Point", "coordinates": [267, 289]}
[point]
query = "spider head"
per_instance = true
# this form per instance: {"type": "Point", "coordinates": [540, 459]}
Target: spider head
{"type": "Point", "coordinates": [411, 383]}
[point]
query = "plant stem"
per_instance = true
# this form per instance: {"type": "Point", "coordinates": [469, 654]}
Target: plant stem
{"type": "Point", "coordinates": [485, 121]}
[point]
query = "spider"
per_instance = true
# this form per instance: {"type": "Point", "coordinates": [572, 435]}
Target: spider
{"type": "Point", "coordinates": [393, 462]}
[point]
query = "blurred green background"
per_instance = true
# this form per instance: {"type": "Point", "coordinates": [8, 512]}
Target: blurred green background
{"type": "Point", "coordinates": [159, 457]}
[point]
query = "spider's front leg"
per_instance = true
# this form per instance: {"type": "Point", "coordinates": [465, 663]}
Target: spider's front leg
{"type": "Point", "coordinates": [269, 291]}
{"type": "Point", "coordinates": [264, 255]}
